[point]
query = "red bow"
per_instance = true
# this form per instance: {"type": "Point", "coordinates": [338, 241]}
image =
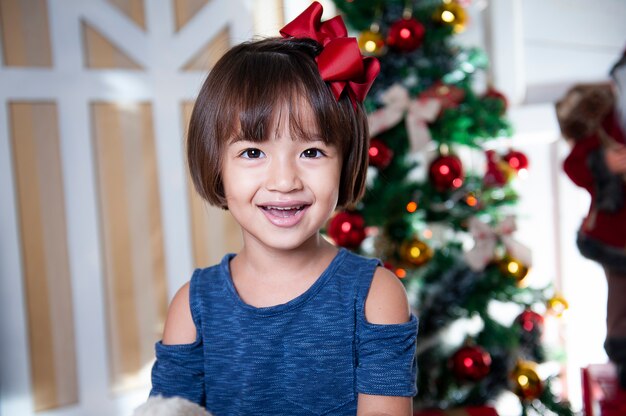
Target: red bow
{"type": "Point", "coordinates": [340, 63]}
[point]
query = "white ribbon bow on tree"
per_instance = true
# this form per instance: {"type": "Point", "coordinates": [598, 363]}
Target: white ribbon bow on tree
{"type": "Point", "coordinates": [417, 113]}
{"type": "Point", "coordinates": [486, 239]}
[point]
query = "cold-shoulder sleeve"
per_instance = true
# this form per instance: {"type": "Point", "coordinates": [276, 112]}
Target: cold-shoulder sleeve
{"type": "Point", "coordinates": [387, 365]}
{"type": "Point", "coordinates": [386, 361]}
{"type": "Point", "coordinates": [179, 369]}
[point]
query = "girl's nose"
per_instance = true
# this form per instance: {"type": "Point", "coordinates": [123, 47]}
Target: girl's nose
{"type": "Point", "coordinates": [283, 176]}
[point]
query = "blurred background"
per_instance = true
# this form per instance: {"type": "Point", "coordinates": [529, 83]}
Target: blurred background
{"type": "Point", "coordinates": [99, 225]}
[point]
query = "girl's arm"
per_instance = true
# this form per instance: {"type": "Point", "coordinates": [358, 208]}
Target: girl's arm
{"type": "Point", "coordinates": [368, 405]}
{"type": "Point", "coordinates": [386, 304]}
{"type": "Point", "coordinates": [179, 366]}
{"type": "Point", "coordinates": [179, 326]}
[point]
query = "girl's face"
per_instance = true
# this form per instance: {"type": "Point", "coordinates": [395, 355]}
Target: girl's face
{"type": "Point", "coordinates": [281, 191]}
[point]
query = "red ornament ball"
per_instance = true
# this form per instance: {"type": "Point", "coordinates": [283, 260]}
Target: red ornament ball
{"type": "Point", "coordinates": [446, 172]}
{"type": "Point", "coordinates": [347, 229]}
{"type": "Point", "coordinates": [380, 155]}
{"type": "Point", "coordinates": [471, 363]}
{"type": "Point", "coordinates": [405, 35]}
{"type": "Point", "coordinates": [530, 321]}
{"type": "Point", "coordinates": [516, 160]}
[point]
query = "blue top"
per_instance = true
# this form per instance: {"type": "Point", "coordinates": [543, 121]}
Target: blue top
{"type": "Point", "coordinates": [309, 356]}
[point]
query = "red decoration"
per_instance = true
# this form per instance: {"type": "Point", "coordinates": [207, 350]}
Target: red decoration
{"type": "Point", "coordinates": [446, 172]}
{"type": "Point", "coordinates": [405, 35]}
{"type": "Point", "coordinates": [347, 229]}
{"type": "Point", "coordinates": [471, 363]}
{"type": "Point", "coordinates": [497, 95]}
{"type": "Point", "coordinates": [530, 321]}
{"type": "Point", "coordinates": [498, 172]}
{"type": "Point", "coordinates": [340, 63]}
{"type": "Point", "coordinates": [516, 160]}
{"type": "Point", "coordinates": [380, 155]}
{"type": "Point", "coordinates": [602, 395]}
{"type": "Point", "coordinates": [448, 95]}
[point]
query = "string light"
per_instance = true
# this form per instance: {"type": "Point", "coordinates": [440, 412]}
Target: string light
{"type": "Point", "coordinates": [447, 16]}
{"type": "Point", "coordinates": [522, 380]}
{"type": "Point", "coordinates": [371, 46]}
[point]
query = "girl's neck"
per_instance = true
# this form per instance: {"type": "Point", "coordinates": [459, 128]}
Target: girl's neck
{"type": "Point", "coordinates": [310, 259]}
{"type": "Point", "coordinates": [266, 277]}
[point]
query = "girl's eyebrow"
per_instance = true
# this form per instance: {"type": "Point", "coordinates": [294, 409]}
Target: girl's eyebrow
{"type": "Point", "coordinates": [238, 138]}
{"type": "Point", "coordinates": [311, 138]}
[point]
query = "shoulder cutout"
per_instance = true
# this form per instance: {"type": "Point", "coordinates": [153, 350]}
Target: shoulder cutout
{"type": "Point", "coordinates": [386, 301]}
{"type": "Point", "coordinates": [179, 326]}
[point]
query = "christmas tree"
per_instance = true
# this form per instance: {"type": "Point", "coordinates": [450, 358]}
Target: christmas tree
{"type": "Point", "coordinates": [439, 208]}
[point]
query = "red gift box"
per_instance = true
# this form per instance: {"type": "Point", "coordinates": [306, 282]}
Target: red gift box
{"type": "Point", "coordinates": [602, 395]}
{"type": "Point", "coordinates": [462, 411]}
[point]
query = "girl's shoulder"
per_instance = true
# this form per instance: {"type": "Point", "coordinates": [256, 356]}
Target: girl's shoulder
{"type": "Point", "coordinates": [386, 301]}
{"type": "Point", "coordinates": [379, 290]}
{"type": "Point", "coordinates": [179, 325]}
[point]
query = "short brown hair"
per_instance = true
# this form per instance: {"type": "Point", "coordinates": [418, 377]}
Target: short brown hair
{"type": "Point", "coordinates": [241, 96]}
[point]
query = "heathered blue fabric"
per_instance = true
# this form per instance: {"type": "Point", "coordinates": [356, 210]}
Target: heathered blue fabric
{"type": "Point", "coordinates": [310, 356]}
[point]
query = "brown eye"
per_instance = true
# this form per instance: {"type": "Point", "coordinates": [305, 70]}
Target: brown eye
{"type": "Point", "coordinates": [252, 153]}
{"type": "Point", "coordinates": [313, 153]}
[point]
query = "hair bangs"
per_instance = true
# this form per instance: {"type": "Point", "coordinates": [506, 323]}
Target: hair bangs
{"type": "Point", "coordinates": [287, 84]}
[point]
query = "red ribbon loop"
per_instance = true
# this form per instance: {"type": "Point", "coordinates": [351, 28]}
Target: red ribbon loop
{"type": "Point", "coordinates": [340, 63]}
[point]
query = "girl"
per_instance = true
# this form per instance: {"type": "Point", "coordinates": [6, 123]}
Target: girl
{"type": "Point", "coordinates": [290, 324]}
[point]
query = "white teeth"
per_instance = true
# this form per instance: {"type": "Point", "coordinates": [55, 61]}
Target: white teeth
{"type": "Point", "coordinates": [284, 208]}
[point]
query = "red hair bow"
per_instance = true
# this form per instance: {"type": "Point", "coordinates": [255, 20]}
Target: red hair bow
{"type": "Point", "coordinates": [340, 63]}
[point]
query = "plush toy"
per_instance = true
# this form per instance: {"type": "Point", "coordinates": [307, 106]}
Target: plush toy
{"type": "Point", "coordinates": [592, 118]}
{"type": "Point", "coordinates": [581, 112]}
{"type": "Point", "coordinates": [170, 406]}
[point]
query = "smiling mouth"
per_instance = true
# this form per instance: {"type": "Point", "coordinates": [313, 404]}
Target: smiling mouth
{"type": "Point", "coordinates": [283, 212]}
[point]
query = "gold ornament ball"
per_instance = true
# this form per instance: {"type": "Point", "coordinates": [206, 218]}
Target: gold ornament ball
{"type": "Point", "coordinates": [526, 382]}
{"type": "Point", "coordinates": [453, 14]}
{"type": "Point", "coordinates": [557, 305]}
{"type": "Point", "coordinates": [416, 252]}
{"type": "Point", "coordinates": [512, 268]}
{"type": "Point", "coordinates": [371, 43]}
